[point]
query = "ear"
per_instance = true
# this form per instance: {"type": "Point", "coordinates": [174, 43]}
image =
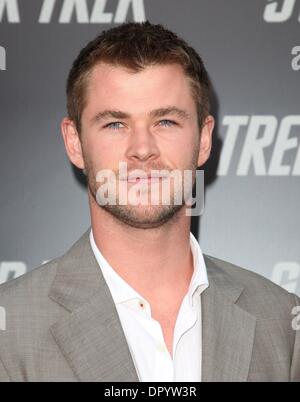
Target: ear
{"type": "Point", "coordinates": [72, 142]}
{"type": "Point", "coordinates": [206, 140]}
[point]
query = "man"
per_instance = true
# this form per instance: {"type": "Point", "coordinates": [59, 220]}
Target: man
{"type": "Point", "coordinates": [135, 299]}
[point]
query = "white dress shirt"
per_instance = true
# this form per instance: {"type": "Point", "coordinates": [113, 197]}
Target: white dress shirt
{"type": "Point", "coordinates": [144, 335]}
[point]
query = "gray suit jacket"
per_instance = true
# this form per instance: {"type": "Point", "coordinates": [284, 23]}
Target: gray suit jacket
{"type": "Point", "coordinates": [62, 325]}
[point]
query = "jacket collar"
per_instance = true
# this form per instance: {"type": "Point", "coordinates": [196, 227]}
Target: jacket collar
{"type": "Point", "coordinates": [94, 344]}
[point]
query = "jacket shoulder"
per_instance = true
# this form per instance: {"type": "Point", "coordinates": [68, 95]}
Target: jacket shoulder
{"type": "Point", "coordinates": [260, 295]}
{"type": "Point", "coordinates": [35, 283]}
{"type": "Point", "coordinates": [27, 309]}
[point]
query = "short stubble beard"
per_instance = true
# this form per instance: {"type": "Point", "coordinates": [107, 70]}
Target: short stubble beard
{"type": "Point", "coordinates": [141, 217]}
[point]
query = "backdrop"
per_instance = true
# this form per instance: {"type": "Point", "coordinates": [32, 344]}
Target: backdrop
{"type": "Point", "coordinates": [252, 52]}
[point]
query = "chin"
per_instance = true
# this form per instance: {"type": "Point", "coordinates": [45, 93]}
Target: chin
{"type": "Point", "coordinates": [144, 217]}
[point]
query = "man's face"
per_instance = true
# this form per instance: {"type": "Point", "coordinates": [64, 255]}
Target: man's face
{"type": "Point", "coordinates": [146, 119]}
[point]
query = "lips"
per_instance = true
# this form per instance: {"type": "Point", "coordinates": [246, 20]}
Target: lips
{"type": "Point", "coordinates": [134, 178]}
{"type": "Point", "coordinates": [143, 179]}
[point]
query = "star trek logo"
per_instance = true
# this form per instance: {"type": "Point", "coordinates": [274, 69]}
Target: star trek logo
{"type": "Point", "coordinates": [13, 269]}
{"type": "Point", "coordinates": [2, 319]}
{"type": "Point", "coordinates": [296, 320]}
{"type": "Point", "coordinates": [259, 135]}
{"type": "Point", "coordinates": [280, 10]}
{"type": "Point", "coordinates": [287, 275]}
{"type": "Point", "coordinates": [2, 59]}
{"type": "Point", "coordinates": [296, 59]}
{"type": "Point", "coordinates": [84, 11]}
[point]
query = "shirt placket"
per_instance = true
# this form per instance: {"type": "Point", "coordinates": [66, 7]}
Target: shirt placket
{"type": "Point", "coordinates": [163, 367]}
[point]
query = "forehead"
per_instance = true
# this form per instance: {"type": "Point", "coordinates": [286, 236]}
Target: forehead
{"type": "Point", "coordinates": [155, 86]}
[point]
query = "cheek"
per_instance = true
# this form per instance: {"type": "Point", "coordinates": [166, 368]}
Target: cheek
{"type": "Point", "coordinates": [183, 151]}
{"type": "Point", "coordinates": [101, 153]}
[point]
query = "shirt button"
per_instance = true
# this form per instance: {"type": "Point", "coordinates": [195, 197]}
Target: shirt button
{"type": "Point", "coordinates": [141, 304]}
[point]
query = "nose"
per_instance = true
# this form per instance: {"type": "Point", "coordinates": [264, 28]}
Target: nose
{"type": "Point", "coordinates": [142, 145]}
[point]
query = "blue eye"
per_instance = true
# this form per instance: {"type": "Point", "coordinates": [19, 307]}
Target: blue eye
{"type": "Point", "coordinates": [167, 123]}
{"type": "Point", "coordinates": [114, 125]}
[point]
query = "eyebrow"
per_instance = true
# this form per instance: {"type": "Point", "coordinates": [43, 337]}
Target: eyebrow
{"type": "Point", "coordinates": [161, 112]}
{"type": "Point", "coordinates": [171, 110]}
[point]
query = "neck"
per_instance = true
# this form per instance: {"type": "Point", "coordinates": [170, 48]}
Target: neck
{"type": "Point", "coordinates": [158, 256]}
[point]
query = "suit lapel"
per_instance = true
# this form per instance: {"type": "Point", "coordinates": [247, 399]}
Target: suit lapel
{"type": "Point", "coordinates": [91, 338]}
{"type": "Point", "coordinates": [93, 343]}
{"type": "Point", "coordinates": [228, 330]}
